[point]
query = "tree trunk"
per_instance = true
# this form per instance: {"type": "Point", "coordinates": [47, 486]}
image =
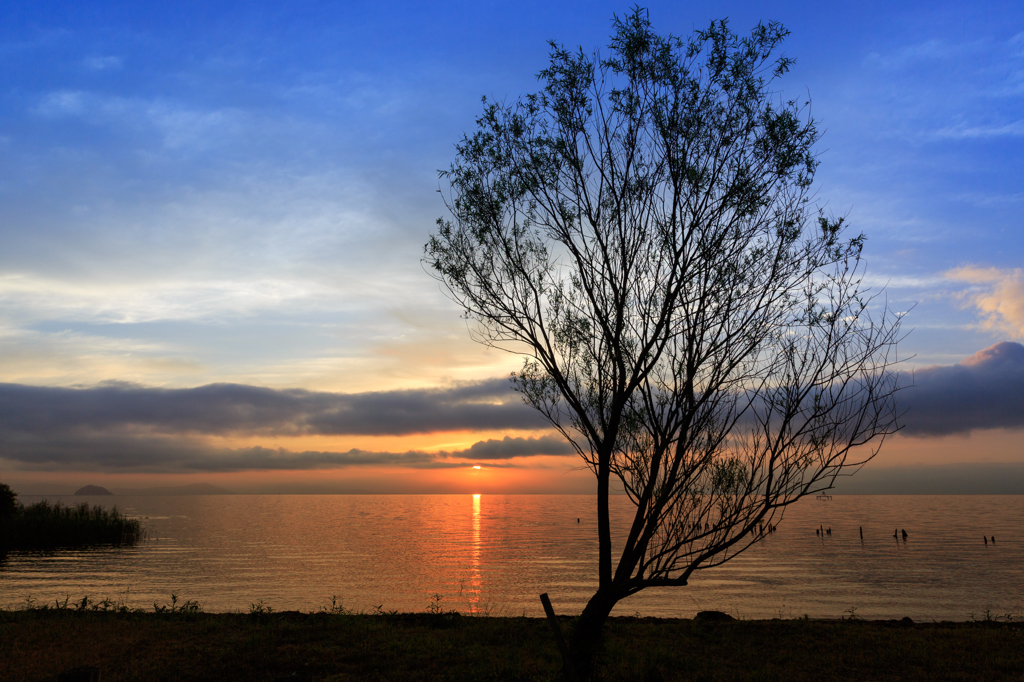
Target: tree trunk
{"type": "Point", "coordinates": [586, 636]}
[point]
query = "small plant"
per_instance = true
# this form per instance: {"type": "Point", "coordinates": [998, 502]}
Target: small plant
{"type": "Point", "coordinates": [260, 609]}
{"type": "Point", "coordinates": [851, 614]}
{"type": "Point", "coordinates": [434, 607]}
{"type": "Point", "coordinates": [122, 600]}
{"type": "Point", "coordinates": [483, 610]}
{"type": "Point", "coordinates": [189, 607]}
{"type": "Point", "coordinates": [439, 617]}
{"type": "Point", "coordinates": [336, 608]}
{"type": "Point", "coordinates": [165, 608]}
{"type": "Point", "coordinates": [107, 604]}
{"type": "Point", "coordinates": [989, 616]}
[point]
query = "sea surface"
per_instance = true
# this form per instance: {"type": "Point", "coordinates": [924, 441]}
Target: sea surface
{"type": "Point", "coordinates": [494, 554]}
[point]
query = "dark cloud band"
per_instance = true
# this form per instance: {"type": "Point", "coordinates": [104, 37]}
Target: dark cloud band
{"type": "Point", "coordinates": [508, 448]}
{"type": "Point", "coordinates": [165, 454]}
{"type": "Point", "coordinates": [232, 409]}
{"type": "Point", "coordinates": [984, 391]}
{"type": "Point", "coordinates": [130, 428]}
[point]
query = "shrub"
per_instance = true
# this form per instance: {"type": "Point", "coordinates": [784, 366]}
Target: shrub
{"type": "Point", "coordinates": [8, 501]}
{"type": "Point", "coordinates": [49, 526]}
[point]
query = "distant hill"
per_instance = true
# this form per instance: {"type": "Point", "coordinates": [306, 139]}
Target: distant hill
{"type": "Point", "coordinates": [190, 489]}
{"type": "Point", "coordinates": [93, 490]}
{"type": "Point", "coordinates": [980, 478]}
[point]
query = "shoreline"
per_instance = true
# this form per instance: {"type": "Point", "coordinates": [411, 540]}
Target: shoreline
{"type": "Point", "coordinates": [268, 645]}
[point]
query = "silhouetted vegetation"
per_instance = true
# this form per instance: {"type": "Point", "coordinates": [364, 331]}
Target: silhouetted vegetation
{"type": "Point", "coordinates": [335, 644]}
{"type": "Point", "coordinates": [8, 501]}
{"type": "Point", "coordinates": [50, 526]}
{"type": "Point", "coordinates": [644, 232]}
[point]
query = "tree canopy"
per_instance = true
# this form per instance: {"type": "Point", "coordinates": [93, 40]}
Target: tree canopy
{"type": "Point", "coordinates": [643, 231]}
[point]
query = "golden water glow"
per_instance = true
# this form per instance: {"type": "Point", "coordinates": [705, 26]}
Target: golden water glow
{"type": "Point", "coordinates": [474, 557]}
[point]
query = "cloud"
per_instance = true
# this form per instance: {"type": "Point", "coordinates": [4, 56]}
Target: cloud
{"type": "Point", "coordinates": [146, 454]}
{"type": "Point", "coordinates": [941, 90]}
{"type": "Point", "coordinates": [128, 452]}
{"type": "Point", "coordinates": [117, 302]}
{"type": "Point", "coordinates": [103, 63]}
{"type": "Point", "coordinates": [62, 103]}
{"type": "Point", "coordinates": [984, 391]}
{"type": "Point", "coordinates": [124, 427]}
{"type": "Point", "coordinates": [982, 199]}
{"type": "Point", "coordinates": [961, 132]}
{"type": "Point", "coordinates": [234, 409]}
{"type": "Point", "coordinates": [508, 448]}
{"type": "Point", "coordinates": [180, 127]}
{"type": "Point", "coordinates": [998, 296]}
{"type": "Point", "coordinates": [928, 51]}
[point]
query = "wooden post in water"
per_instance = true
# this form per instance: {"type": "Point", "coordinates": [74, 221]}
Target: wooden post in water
{"type": "Point", "coordinates": [568, 668]}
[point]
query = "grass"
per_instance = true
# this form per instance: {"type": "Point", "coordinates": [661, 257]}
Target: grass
{"type": "Point", "coordinates": [178, 642]}
{"type": "Point", "coordinates": [48, 526]}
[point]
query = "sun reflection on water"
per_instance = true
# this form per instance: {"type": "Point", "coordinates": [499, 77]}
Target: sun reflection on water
{"type": "Point", "coordinates": [227, 551]}
{"type": "Point", "coordinates": [474, 561]}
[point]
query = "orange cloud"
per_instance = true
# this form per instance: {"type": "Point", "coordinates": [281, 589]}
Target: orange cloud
{"type": "Point", "coordinates": [550, 475]}
{"type": "Point", "coordinates": [997, 294]}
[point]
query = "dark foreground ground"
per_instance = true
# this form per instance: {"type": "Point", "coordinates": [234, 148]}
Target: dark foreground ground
{"type": "Point", "coordinates": [39, 644]}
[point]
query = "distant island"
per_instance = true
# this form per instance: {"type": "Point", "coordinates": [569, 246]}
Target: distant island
{"type": "Point", "coordinates": [190, 489]}
{"type": "Point", "coordinates": [49, 526]}
{"type": "Point", "coordinates": [93, 490]}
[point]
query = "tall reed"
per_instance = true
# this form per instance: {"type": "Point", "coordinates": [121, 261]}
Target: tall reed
{"type": "Point", "coordinates": [48, 526]}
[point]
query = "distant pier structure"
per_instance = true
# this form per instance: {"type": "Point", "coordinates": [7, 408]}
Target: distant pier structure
{"type": "Point", "coordinates": [823, 496]}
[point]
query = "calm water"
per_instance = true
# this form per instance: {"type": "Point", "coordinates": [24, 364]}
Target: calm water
{"type": "Point", "coordinates": [495, 554]}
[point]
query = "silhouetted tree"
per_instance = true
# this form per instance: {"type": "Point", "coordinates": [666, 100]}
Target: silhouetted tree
{"type": "Point", "coordinates": [642, 231]}
{"type": "Point", "coordinates": [8, 501]}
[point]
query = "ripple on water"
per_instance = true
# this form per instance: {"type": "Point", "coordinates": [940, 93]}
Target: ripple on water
{"type": "Point", "coordinates": [500, 552]}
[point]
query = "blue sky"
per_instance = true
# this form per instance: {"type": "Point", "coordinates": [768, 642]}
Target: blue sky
{"type": "Point", "coordinates": [194, 193]}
